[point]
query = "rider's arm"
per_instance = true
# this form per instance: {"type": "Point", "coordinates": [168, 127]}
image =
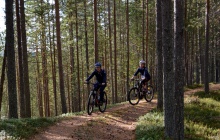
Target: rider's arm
{"type": "Point", "coordinates": [135, 74]}
{"type": "Point", "coordinates": [104, 77]}
{"type": "Point", "coordinates": [90, 77]}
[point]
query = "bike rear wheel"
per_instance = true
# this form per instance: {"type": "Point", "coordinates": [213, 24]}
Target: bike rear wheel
{"type": "Point", "coordinates": [102, 107]}
{"type": "Point", "coordinates": [90, 104]}
{"type": "Point", "coordinates": [150, 93]}
{"type": "Point", "coordinates": [133, 96]}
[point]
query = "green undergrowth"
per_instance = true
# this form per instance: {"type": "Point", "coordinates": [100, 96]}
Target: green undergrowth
{"type": "Point", "coordinates": [194, 86]}
{"type": "Point", "coordinates": [24, 128]}
{"type": "Point", "coordinates": [202, 119]}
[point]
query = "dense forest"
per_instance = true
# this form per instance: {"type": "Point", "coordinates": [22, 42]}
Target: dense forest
{"type": "Point", "coordinates": [56, 44]}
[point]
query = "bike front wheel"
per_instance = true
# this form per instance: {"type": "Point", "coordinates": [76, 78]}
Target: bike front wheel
{"type": "Point", "coordinates": [149, 94]}
{"type": "Point", "coordinates": [90, 104]}
{"type": "Point", "coordinates": [102, 107]}
{"type": "Point", "coordinates": [133, 96]}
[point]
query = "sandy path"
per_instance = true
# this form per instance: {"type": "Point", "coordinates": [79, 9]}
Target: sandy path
{"type": "Point", "coordinates": [117, 123]}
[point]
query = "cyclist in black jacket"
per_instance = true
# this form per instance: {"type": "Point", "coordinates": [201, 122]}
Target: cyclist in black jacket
{"type": "Point", "coordinates": [145, 76]}
{"type": "Point", "coordinates": [101, 79]}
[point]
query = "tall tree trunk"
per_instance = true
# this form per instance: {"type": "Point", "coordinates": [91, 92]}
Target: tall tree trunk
{"type": "Point", "coordinates": [62, 88]}
{"type": "Point", "coordinates": [179, 70]}
{"type": "Point", "coordinates": [159, 55]}
{"type": "Point", "coordinates": [185, 43]}
{"type": "Point", "coordinates": [20, 63]}
{"type": "Point", "coordinates": [45, 74]}
{"type": "Point", "coordinates": [128, 45]}
{"type": "Point", "coordinates": [72, 79]}
{"type": "Point", "coordinates": [39, 86]}
{"type": "Point", "coordinates": [44, 64]}
{"type": "Point", "coordinates": [168, 81]}
{"type": "Point", "coordinates": [110, 48]}
{"type": "Point", "coordinates": [206, 60]}
{"type": "Point", "coordinates": [143, 25]}
{"type": "Point", "coordinates": [53, 63]}
{"type": "Point", "coordinates": [115, 53]}
{"type": "Point", "coordinates": [25, 62]}
{"type": "Point", "coordinates": [198, 73]}
{"type": "Point", "coordinates": [11, 73]}
{"type": "Point", "coordinates": [96, 32]}
{"type": "Point", "coordinates": [147, 31]}
{"type": "Point", "coordinates": [86, 43]}
{"type": "Point", "coordinates": [77, 57]}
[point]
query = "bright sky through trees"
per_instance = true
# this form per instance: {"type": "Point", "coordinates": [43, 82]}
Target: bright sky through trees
{"type": "Point", "coordinates": [2, 15]}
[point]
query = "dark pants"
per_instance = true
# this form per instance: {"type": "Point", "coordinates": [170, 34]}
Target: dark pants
{"type": "Point", "coordinates": [101, 89]}
{"type": "Point", "coordinates": [144, 82]}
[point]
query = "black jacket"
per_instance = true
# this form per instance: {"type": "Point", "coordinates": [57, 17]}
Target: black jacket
{"type": "Point", "coordinates": [144, 72]}
{"type": "Point", "coordinates": [100, 76]}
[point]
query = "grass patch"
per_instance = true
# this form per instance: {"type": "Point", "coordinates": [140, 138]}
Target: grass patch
{"type": "Point", "coordinates": [23, 128]}
{"type": "Point", "coordinates": [202, 119]}
{"type": "Point", "coordinates": [194, 86]}
{"type": "Point", "coordinates": [150, 126]}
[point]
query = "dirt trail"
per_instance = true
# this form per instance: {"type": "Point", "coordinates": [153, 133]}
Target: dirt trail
{"type": "Point", "coordinates": [117, 123]}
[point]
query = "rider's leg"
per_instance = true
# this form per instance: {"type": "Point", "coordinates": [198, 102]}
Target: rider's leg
{"type": "Point", "coordinates": [101, 92]}
{"type": "Point", "coordinates": [144, 84]}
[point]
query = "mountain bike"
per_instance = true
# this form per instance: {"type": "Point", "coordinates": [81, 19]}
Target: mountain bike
{"type": "Point", "coordinates": [138, 92]}
{"type": "Point", "coordinates": [93, 100]}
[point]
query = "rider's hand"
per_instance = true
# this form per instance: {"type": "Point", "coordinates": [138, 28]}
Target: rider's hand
{"type": "Point", "coordinates": [132, 78]}
{"type": "Point", "coordinates": [103, 84]}
{"type": "Point", "coordinates": [86, 82]}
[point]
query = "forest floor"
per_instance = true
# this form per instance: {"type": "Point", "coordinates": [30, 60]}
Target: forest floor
{"type": "Point", "coordinates": [117, 123]}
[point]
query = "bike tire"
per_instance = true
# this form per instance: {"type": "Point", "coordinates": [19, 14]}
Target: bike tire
{"type": "Point", "coordinates": [134, 96]}
{"type": "Point", "coordinates": [150, 93]}
{"type": "Point", "coordinates": [102, 107]}
{"type": "Point", "coordinates": [90, 104]}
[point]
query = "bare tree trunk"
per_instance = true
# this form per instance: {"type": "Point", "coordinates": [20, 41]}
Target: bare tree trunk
{"type": "Point", "coordinates": [72, 80]}
{"type": "Point", "coordinates": [39, 86]}
{"type": "Point", "coordinates": [168, 81]}
{"type": "Point", "coordinates": [115, 53]}
{"type": "Point", "coordinates": [96, 33]}
{"type": "Point", "coordinates": [44, 67]}
{"type": "Point", "coordinates": [86, 43]}
{"type": "Point", "coordinates": [25, 61]}
{"type": "Point", "coordinates": [147, 30]}
{"type": "Point", "coordinates": [62, 88]}
{"type": "Point", "coordinates": [110, 47]}
{"type": "Point", "coordinates": [77, 57]}
{"type": "Point", "coordinates": [197, 52]}
{"type": "Point", "coordinates": [178, 126]}
{"type": "Point", "coordinates": [20, 62]}
{"type": "Point", "coordinates": [206, 60]}
{"type": "Point", "coordinates": [11, 73]}
{"type": "Point", "coordinates": [159, 55]}
{"type": "Point", "coordinates": [128, 45]}
{"type": "Point", "coordinates": [53, 65]}
{"type": "Point", "coordinates": [185, 44]}
{"type": "Point", "coordinates": [143, 24]}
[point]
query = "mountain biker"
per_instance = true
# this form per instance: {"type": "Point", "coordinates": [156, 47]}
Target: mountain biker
{"type": "Point", "coordinates": [145, 76]}
{"type": "Point", "coordinates": [101, 80]}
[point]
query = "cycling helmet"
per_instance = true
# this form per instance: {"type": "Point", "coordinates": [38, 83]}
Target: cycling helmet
{"type": "Point", "coordinates": [98, 64]}
{"type": "Point", "coordinates": [142, 62]}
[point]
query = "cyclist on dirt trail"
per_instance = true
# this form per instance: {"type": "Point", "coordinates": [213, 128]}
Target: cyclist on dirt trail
{"type": "Point", "coordinates": [101, 80]}
{"type": "Point", "coordinates": [145, 76]}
